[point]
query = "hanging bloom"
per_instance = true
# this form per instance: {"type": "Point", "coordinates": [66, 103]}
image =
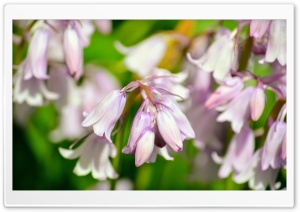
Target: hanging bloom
{"type": "Point", "coordinates": [258, 179]}
{"type": "Point", "coordinates": [237, 111]}
{"type": "Point", "coordinates": [33, 91]}
{"type": "Point", "coordinates": [220, 57]}
{"type": "Point", "coordinates": [229, 89]}
{"type": "Point", "coordinates": [277, 42]}
{"type": "Point", "coordinates": [105, 115]}
{"type": "Point", "coordinates": [37, 55]}
{"type": "Point", "coordinates": [258, 28]}
{"type": "Point", "coordinates": [75, 99]}
{"type": "Point", "coordinates": [93, 156]}
{"type": "Point", "coordinates": [257, 102]}
{"type": "Point", "coordinates": [272, 150]}
{"type": "Point", "coordinates": [239, 152]}
{"type": "Point", "coordinates": [73, 52]}
{"type": "Point", "coordinates": [157, 124]}
{"type": "Point", "coordinates": [145, 56]}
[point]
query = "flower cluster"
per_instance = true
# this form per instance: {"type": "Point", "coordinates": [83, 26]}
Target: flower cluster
{"type": "Point", "coordinates": [208, 88]}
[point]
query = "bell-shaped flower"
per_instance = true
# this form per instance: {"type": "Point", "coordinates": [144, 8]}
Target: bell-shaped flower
{"type": "Point", "coordinates": [229, 89]}
{"type": "Point", "coordinates": [73, 52]}
{"type": "Point", "coordinates": [237, 111]}
{"type": "Point", "coordinates": [240, 151]}
{"type": "Point", "coordinates": [37, 55]}
{"type": "Point", "coordinates": [271, 152]}
{"type": "Point", "coordinates": [105, 115]}
{"type": "Point", "coordinates": [145, 56]}
{"type": "Point", "coordinates": [93, 157]}
{"type": "Point", "coordinates": [277, 42]}
{"type": "Point", "coordinates": [257, 102]}
{"type": "Point", "coordinates": [257, 178]}
{"type": "Point", "coordinates": [220, 57]}
{"type": "Point", "coordinates": [33, 91]}
{"type": "Point", "coordinates": [259, 27]}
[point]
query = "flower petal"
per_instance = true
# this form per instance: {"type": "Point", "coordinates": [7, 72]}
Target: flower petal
{"type": "Point", "coordinates": [144, 148]}
{"type": "Point", "coordinates": [169, 130]}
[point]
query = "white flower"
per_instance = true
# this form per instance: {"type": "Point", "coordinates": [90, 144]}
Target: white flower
{"type": "Point", "coordinates": [93, 156]}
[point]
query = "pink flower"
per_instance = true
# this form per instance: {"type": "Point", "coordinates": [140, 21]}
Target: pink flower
{"type": "Point", "coordinates": [219, 58]}
{"type": "Point", "coordinates": [105, 115]}
{"type": "Point", "coordinates": [237, 111]}
{"type": "Point", "coordinates": [239, 152]}
{"type": "Point", "coordinates": [93, 156]}
{"type": "Point", "coordinates": [257, 102]}
{"type": "Point", "coordinates": [257, 178]}
{"type": "Point", "coordinates": [277, 42]}
{"type": "Point", "coordinates": [229, 89]}
{"type": "Point", "coordinates": [272, 150]}
{"type": "Point", "coordinates": [37, 55]}
{"type": "Point", "coordinates": [73, 52]}
{"type": "Point", "coordinates": [33, 91]}
{"type": "Point", "coordinates": [258, 28]}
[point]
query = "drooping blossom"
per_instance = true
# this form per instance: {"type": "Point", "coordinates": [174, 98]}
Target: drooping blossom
{"type": "Point", "coordinates": [158, 123]}
{"type": "Point", "coordinates": [31, 90]}
{"type": "Point", "coordinates": [220, 57]}
{"type": "Point", "coordinates": [277, 42]}
{"type": "Point", "coordinates": [257, 178]}
{"type": "Point", "coordinates": [240, 151]}
{"type": "Point", "coordinates": [229, 89]}
{"type": "Point", "coordinates": [93, 156]}
{"type": "Point", "coordinates": [237, 111]}
{"type": "Point", "coordinates": [257, 102]}
{"type": "Point", "coordinates": [259, 27]}
{"type": "Point", "coordinates": [273, 152]}
{"type": "Point", "coordinates": [145, 56]}
{"type": "Point", "coordinates": [105, 115]}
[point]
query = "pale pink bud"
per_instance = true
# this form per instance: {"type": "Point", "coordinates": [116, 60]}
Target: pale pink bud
{"type": "Point", "coordinates": [258, 28]}
{"type": "Point", "coordinates": [257, 103]}
{"type": "Point", "coordinates": [37, 54]}
{"type": "Point", "coordinates": [73, 52]}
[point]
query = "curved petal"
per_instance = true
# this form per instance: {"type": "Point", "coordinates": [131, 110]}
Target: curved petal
{"type": "Point", "coordinates": [144, 148]}
{"type": "Point", "coordinates": [169, 130]}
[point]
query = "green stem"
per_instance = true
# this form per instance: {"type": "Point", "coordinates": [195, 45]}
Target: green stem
{"type": "Point", "coordinates": [118, 159]}
{"type": "Point", "coordinates": [245, 55]}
